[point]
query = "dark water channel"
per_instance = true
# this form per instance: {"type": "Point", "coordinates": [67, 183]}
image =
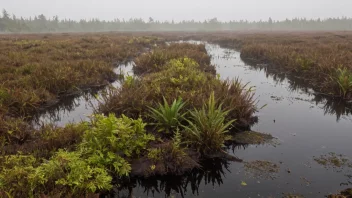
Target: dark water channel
{"type": "Point", "coordinates": [79, 108]}
{"type": "Point", "coordinates": [305, 125]}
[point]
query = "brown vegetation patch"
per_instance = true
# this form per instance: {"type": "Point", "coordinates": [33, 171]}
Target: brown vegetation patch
{"type": "Point", "coordinates": [251, 137]}
{"type": "Point", "coordinates": [343, 194]}
{"type": "Point", "coordinates": [262, 169]}
{"type": "Point", "coordinates": [36, 70]}
{"type": "Point", "coordinates": [334, 161]}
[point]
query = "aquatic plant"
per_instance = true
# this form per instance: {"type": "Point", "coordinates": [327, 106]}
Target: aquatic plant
{"type": "Point", "coordinates": [207, 127]}
{"type": "Point", "coordinates": [168, 117]}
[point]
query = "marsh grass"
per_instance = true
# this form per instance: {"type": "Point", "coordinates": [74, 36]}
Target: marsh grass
{"type": "Point", "coordinates": [156, 60]}
{"type": "Point", "coordinates": [321, 60]}
{"type": "Point", "coordinates": [207, 128]}
{"type": "Point", "coordinates": [35, 71]}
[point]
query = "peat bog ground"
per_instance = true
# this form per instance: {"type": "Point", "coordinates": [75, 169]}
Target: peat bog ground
{"type": "Point", "coordinates": [176, 114]}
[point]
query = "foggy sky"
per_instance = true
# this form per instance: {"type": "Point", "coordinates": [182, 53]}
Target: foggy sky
{"type": "Point", "coordinates": [178, 10]}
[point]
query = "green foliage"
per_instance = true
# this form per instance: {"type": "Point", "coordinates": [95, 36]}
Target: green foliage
{"type": "Point", "coordinates": [168, 117]}
{"type": "Point", "coordinates": [110, 134]}
{"type": "Point", "coordinates": [16, 172]}
{"type": "Point", "coordinates": [344, 79]}
{"type": "Point", "coordinates": [207, 127]}
{"type": "Point", "coordinates": [129, 80]}
{"type": "Point", "coordinates": [103, 154]}
{"type": "Point", "coordinates": [70, 170]}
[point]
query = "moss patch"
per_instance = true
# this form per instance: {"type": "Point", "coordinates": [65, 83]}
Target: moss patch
{"type": "Point", "coordinates": [333, 160]}
{"type": "Point", "coordinates": [262, 169]}
{"type": "Point", "coordinates": [251, 137]}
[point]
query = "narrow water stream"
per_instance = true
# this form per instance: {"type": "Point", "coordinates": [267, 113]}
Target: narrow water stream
{"type": "Point", "coordinates": [305, 125]}
{"type": "Point", "coordinates": [79, 108]}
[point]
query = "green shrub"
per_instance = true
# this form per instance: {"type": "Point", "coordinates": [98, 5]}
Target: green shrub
{"type": "Point", "coordinates": [68, 170]}
{"type": "Point", "coordinates": [207, 127]}
{"type": "Point", "coordinates": [16, 172]}
{"type": "Point", "coordinates": [117, 135]}
{"type": "Point", "coordinates": [103, 154]}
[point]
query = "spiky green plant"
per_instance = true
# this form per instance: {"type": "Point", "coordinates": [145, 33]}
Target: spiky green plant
{"type": "Point", "coordinates": [344, 79]}
{"type": "Point", "coordinates": [168, 117]}
{"type": "Point", "coordinates": [207, 127]}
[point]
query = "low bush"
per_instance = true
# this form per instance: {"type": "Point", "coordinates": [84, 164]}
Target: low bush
{"type": "Point", "coordinates": [101, 156]}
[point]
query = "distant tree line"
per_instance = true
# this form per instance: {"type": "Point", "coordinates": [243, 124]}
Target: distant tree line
{"type": "Point", "coordinates": [10, 23]}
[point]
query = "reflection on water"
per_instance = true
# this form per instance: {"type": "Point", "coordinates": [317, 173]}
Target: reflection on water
{"type": "Point", "coordinates": [211, 174]}
{"type": "Point", "coordinates": [331, 105]}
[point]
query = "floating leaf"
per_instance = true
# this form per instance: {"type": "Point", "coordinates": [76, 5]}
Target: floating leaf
{"type": "Point", "coordinates": [243, 183]}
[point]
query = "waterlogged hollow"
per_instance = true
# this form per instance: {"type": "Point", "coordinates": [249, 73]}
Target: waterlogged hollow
{"type": "Point", "coordinates": [79, 108]}
{"type": "Point", "coordinates": [306, 125]}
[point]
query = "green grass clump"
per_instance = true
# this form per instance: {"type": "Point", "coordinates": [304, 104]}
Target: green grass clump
{"type": "Point", "coordinates": [344, 80]}
{"type": "Point", "coordinates": [168, 117]}
{"type": "Point", "coordinates": [208, 126]}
